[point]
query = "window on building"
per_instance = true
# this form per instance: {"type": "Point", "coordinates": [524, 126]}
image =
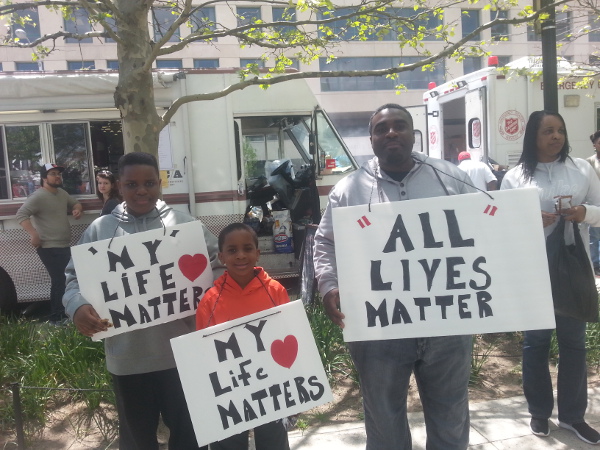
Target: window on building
{"type": "Point", "coordinates": [162, 20]}
{"type": "Point", "coordinates": [81, 65]}
{"type": "Point", "coordinates": [204, 20]}
{"type": "Point", "coordinates": [564, 25]}
{"type": "Point", "coordinates": [470, 22]}
{"type": "Point", "coordinates": [28, 66]}
{"type": "Point", "coordinates": [471, 64]}
{"type": "Point", "coordinates": [500, 31]}
{"type": "Point", "coordinates": [78, 23]}
{"type": "Point", "coordinates": [594, 22]}
{"type": "Point", "coordinates": [169, 64]}
{"type": "Point", "coordinates": [245, 61]}
{"type": "Point", "coordinates": [416, 79]}
{"type": "Point", "coordinates": [284, 15]}
{"type": "Point", "coordinates": [206, 63]}
{"type": "Point", "coordinates": [532, 35]}
{"type": "Point", "coordinates": [28, 21]}
{"type": "Point", "coordinates": [387, 27]}
{"type": "Point", "coordinates": [112, 64]}
{"type": "Point", "coordinates": [503, 60]}
{"type": "Point", "coordinates": [110, 21]}
{"type": "Point", "coordinates": [247, 15]}
{"type": "Point", "coordinates": [1, 69]}
{"type": "Point", "coordinates": [77, 146]}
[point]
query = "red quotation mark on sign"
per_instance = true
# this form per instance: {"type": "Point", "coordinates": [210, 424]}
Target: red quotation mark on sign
{"type": "Point", "coordinates": [284, 352]}
{"type": "Point", "coordinates": [192, 266]}
{"type": "Point", "coordinates": [363, 222]}
{"type": "Point", "coordinates": [491, 210]}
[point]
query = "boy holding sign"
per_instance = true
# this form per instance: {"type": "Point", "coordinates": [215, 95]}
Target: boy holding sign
{"type": "Point", "coordinates": [242, 290]}
{"type": "Point", "coordinates": [141, 362]}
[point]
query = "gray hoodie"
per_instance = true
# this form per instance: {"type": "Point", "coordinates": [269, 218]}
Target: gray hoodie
{"type": "Point", "coordinates": [149, 349]}
{"type": "Point", "coordinates": [429, 177]}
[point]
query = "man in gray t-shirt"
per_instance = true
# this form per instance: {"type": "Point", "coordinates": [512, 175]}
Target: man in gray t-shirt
{"type": "Point", "coordinates": [44, 217]}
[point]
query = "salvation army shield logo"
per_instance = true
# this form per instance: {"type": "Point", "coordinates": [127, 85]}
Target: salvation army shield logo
{"type": "Point", "coordinates": [511, 125]}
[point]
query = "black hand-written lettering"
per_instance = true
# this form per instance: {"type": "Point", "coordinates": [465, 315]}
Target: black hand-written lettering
{"type": "Point", "coordinates": [244, 376]}
{"type": "Point", "coordinates": [126, 315]}
{"type": "Point", "coordinates": [166, 277]}
{"type": "Point", "coordinates": [122, 259]}
{"type": "Point", "coordinates": [107, 295]}
{"type": "Point", "coordinates": [456, 239]}
{"type": "Point", "coordinates": [259, 396]}
{"type": "Point", "coordinates": [477, 268]}
{"type": "Point", "coordinates": [398, 231]}
{"type": "Point", "coordinates": [259, 374]}
{"type": "Point", "coordinates": [422, 303]}
{"type": "Point", "coordinates": [373, 314]}
{"type": "Point", "coordinates": [155, 303]}
{"type": "Point", "coordinates": [377, 283]}
{"type": "Point", "coordinates": [249, 413]}
{"type": "Point", "coordinates": [232, 412]}
{"type": "Point", "coordinates": [126, 288]}
{"type": "Point", "coordinates": [183, 301]}
{"type": "Point", "coordinates": [400, 313]}
{"type": "Point", "coordinates": [303, 395]}
{"type": "Point", "coordinates": [452, 273]}
{"type": "Point", "coordinates": [169, 298]}
{"type": "Point", "coordinates": [216, 384]}
{"type": "Point", "coordinates": [256, 330]}
{"type": "Point", "coordinates": [405, 274]}
{"type": "Point", "coordinates": [142, 281]}
{"type": "Point", "coordinates": [197, 296]}
{"type": "Point", "coordinates": [231, 345]}
{"type": "Point", "coordinates": [287, 395]}
{"type": "Point", "coordinates": [274, 392]}
{"type": "Point", "coordinates": [152, 246]}
{"type": "Point", "coordinates": [144, 316]}
{"type": "Point", "coordinates": [430, 271]}
{"type": "Point", "coordinates": [428, 237]}
{"type": "Point", "coordinates": [463, 312]}
{"type": "Point", "coordinates": [485, 310]}
{"type": "Point", "coordinates": [314, 382]}
{"type": "Point", "coordinates": [443, 301]}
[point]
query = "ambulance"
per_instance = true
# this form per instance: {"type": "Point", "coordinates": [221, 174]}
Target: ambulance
{"type": "Point", "coordinates": [485, 112]}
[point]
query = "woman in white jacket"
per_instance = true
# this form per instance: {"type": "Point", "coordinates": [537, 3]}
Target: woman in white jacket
{"type": "Point", "coordinates": [545, 164]}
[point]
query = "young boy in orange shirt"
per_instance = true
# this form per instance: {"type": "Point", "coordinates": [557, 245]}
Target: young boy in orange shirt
{"type": "Point", "coordinates": [242, 290]}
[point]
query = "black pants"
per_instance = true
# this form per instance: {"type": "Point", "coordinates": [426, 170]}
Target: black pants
{"type": "Point", "coordinates": [55, 260]}
{"type": "Point", "coordinates": [141, 399]}
{"type": "Point", "coordinates": [270, 436]}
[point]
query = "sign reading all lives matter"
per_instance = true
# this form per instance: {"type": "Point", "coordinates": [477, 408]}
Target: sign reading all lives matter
{"type": "Point", "coordinates": [250, 371]}
{"type": "Point", "coordinates": [461, 264]}
{"type": "Point", "coordinates": [144, 279]}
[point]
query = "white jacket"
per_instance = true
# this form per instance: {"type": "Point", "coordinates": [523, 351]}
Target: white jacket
{"type": "Point", "coordinates": [574, 177]}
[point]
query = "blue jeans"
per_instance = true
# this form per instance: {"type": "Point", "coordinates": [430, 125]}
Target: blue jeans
{"type": "Point", "coordinates": [572, 371]}
{"type": "Point", "coordinates": [55, 260]}
{"type": "Point", "coordinates": [441, 365]}
{"type": "Point", "coordinates": [594, 244]}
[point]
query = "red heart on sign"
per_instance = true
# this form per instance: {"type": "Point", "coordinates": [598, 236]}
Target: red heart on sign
{"type": "Point", "coordinates": [192, 266]}
{"type": "Point", "coordinates": [284, 352]}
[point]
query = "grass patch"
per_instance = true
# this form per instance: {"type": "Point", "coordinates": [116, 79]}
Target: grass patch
{"type": "Point", "coordinates": [47, 361]}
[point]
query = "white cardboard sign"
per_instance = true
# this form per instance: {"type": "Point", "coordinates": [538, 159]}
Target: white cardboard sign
{"type": "Point", "coordinates": [250, 371]}
{"type": "Point", "coordinates": [144, 279]}
{"type": "Point", "coordinates": [451, 265]}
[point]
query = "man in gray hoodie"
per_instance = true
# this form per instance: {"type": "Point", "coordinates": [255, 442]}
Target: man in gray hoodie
{"type": "Point", "coordinates": [141, 362]}
{"type": "Point", "coordinates": [441, 365]}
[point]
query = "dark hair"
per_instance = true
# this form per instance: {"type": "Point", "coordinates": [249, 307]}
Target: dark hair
{"type": "Point", "coordinates": [114, 191]}
{"type": "Point", "coordinates": [389, 106]}
{"type": "Point", "coordinates": [594, 137]}
{"type": "Point", "coordinates": [529, 157]}
{"type": "Point", "coordinates": [236, 227]}
{"type": "Point", "coordinates": [137, 158]}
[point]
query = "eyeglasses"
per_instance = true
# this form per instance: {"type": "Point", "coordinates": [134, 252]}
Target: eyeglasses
{"type": "Point", "coordinates": [104, 172]}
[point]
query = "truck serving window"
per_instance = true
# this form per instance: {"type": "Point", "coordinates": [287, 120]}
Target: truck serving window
{"type": "Point", "coordinates": [80, 147]}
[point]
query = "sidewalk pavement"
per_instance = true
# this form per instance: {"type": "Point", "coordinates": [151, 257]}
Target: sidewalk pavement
{"type": "Point", "coordinates": [496, 424]}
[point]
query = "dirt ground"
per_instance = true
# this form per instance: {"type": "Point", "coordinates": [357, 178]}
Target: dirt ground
{"type": "Point", "coordinates": [500, 376]}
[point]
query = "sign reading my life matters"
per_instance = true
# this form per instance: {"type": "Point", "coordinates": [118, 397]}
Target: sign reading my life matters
{"type": "Point", "coordinates": [461, 264]}
{"type": "Point", "coordinates": [250, 371]}
{"type": "Point", "coordinates": [144, 279]}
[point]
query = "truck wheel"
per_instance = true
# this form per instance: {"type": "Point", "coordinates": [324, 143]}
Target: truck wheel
{"type": "Point", "coordinates": [8, 294]}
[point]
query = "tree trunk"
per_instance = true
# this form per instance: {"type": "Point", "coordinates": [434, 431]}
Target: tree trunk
{"type": "Point", "coordinates": [134, 96]}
